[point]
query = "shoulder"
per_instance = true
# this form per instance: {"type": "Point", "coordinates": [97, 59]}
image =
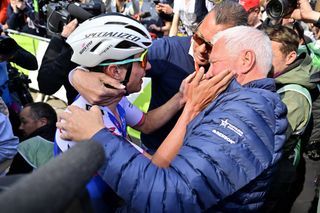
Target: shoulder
{"type": "Point", "coordinates": [170, 43]}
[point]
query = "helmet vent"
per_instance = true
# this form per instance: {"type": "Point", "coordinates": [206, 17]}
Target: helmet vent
{"type": "Point", "coordinates": [126, 45]}
{"type": "Point", "coordinates": [115, 23]}
{"type": "Point", "coordinates": [95, 47]}
{"type": "Point", "coordinates": [137, 30]}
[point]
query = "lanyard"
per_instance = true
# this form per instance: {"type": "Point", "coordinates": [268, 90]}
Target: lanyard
{"type": "Point", "coordinates": [122, 128]}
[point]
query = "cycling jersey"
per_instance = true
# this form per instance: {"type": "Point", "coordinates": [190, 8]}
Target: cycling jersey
{"type": "Point", "coordinates": [128, 113]}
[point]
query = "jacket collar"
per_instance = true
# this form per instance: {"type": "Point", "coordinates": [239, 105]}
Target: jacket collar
{"type": "Point", "coordinates": [265, 83]}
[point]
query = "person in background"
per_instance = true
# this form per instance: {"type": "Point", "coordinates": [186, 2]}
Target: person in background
{"type": "Point", "coordinates": [3, 11]}
{"type": "Point", "coordinates": [8, 142]}
{"type": "Point", "coordinates": [38, 118]}
{"type": "Point", "coordinates": [254, 15]}
{"type": "Point", "coordinates": [292, 74]}
{"type": "Point", "coordinates": [11, 84]}
{"type": "Point", "coordinates": [21, 17]}
{"type": "Point", "coordinates": [190, 12]}
{"type": "Point", "coordinates": [56, 64]}
{"type": "Point", "coordinates": [125, 7]}
{"type": "Point", "coordinates": [165, 12]}
{"type": "Point", "coordinates": [38, 126]}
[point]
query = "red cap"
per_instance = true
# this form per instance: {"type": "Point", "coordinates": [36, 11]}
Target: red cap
{"type": "Point", "coordinates": [248, 4]}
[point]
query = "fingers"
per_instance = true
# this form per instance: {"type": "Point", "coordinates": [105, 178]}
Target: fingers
{"type": "Point", "coordinates": [198, 76]}
{"type": "Point", "coordinates": [107, 80]}
{"type": "Point", "coordinates": [64, 116]}
{"type": "Point", "coordinates": [73, 108]}
{"type": "Point", "coordinates": [220, 76]}
{"type": "Point", "coordinates": [189, 78]}
{"type": "Point", "coordinates": [95, 109]}
{"type": "Point", "coordinates": [220, 82]}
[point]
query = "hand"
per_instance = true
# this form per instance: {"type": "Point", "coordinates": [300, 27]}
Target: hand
{"type": "Point", "coordinates": [166, 8]}
{"type": "Point", "coordinates": [304, 12]}
{"type": "Point", "coordinates": [69, 28]}
{"type": "Point", "coordinates": [93, 87]}
{"type": "Point", "coordinates": [13, 4]}
{"type": "Point", "coordinates": [21, 4]}
{"type": "Point", "coordinates": [201, 91]}
{"type": "Point", "coordinates": [80, 125]}
{"type": "Point", "coordinates": [183, 90]}
{"type": "Point", "coordinates": [154, 27]}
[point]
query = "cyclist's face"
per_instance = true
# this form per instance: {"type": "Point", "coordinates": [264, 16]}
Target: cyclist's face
{"type": "Point", "coordinates": [137, 73]}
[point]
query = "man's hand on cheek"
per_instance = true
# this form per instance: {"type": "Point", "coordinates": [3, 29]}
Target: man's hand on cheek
{"type": "Point", "coordinates": [97, 88]}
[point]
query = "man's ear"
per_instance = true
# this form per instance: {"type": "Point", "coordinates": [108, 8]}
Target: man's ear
{"type": "Point", "coordinates": [112, 71]}
{"type": "Point", "coordinates": [43, 121]}
{"type": "Point", "coordinates": [291, 57]}
{"type": "Point", "coordinates": [248, 59]}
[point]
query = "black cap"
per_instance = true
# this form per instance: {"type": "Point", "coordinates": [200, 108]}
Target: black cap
{"type": "Point", "coordinates": [8, 46]}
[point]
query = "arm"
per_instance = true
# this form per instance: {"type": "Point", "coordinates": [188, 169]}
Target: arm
{"type": "Point", "coordinates": [96, 88]}
{"type": "Point", "coordinates": [8, 142]}
{"type": "Point", "coordinates": [24, 59]}
{"type": "Point", "coordinates": [305, 13]}
{"type": "Point", "coordinates": [156, 118]}
{"type": "Point", "coordinates": [200, 93]}
{"type": "Point", "coordinates": [56, 64]}
{"type": "Point", "coordinates": [174, 25]}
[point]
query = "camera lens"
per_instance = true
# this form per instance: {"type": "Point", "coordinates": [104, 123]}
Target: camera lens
{"type": "Point", "coordinates": [275, 9]}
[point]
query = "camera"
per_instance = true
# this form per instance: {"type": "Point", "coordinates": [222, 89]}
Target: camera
{"type": "Point", "coordinates": [277, 9]}
{"type": "Point", "coordinates": [61, 13]}
{"type": "Point", "coordinates": [18, 85]}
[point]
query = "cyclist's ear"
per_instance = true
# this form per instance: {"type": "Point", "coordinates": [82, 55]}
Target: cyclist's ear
{"type": "Point", "coordinates": [114, 72]}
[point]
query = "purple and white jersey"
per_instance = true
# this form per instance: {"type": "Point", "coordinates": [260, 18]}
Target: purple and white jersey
{"type": "Point", "coordinates": [129, 115]}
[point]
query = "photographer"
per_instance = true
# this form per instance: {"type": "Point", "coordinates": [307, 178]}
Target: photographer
{"type": "Point", "coordinates": [13, 85]}
{"type": "Point", "coordinates": [21, 16]}
{"type": "Point", "coordinates": [56, 64]}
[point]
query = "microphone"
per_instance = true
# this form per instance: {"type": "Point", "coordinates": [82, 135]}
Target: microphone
{"type": "Point", "coordinates": [53, 187]}
{"type": "Point", "coordinates": [79, 13]}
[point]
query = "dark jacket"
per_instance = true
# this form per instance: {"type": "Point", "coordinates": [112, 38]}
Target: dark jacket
{"type": "Point", "coordinates": [170, 64]}
{"type": "Point", "coordinates": [225, 164]}
{"type": "Point", "coordinates": [55, 67]}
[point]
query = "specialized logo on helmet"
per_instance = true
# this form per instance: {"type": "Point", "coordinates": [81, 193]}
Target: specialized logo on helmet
{"type": "Point", "coordinates": [113, 34]}
{"type": "Point", "coordinates": [85, 47]}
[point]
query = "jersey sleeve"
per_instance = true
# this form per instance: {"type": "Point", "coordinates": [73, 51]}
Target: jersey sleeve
{"type": "Point", "coordinates": [134, 116]}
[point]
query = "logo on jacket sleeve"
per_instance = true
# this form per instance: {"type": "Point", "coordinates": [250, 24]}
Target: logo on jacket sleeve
{"type": "Point", "coordinates": [233, 128]}
{"type": "Point", "coordinates": [226, 124]}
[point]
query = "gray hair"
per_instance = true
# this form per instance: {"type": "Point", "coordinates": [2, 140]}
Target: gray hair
{"type": "Point", "coordinates": [242, 38]}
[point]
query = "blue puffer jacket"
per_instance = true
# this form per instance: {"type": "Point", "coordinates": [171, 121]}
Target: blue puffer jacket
{"type": "Point", "coordinates": [225, 163]}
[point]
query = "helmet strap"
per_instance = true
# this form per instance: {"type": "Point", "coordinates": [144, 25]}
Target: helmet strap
{"type": "Point", "coordinates": [127, 77]}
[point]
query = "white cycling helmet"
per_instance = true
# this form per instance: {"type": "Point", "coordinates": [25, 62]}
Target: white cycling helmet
{"type": "Point", "coordinates": [109, 37]}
